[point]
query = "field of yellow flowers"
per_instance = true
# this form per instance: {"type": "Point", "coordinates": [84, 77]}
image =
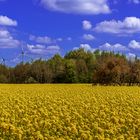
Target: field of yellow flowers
{"type": "Point", "coordinates": [69, 112]}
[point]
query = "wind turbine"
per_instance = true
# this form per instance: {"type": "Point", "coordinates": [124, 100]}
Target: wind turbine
{"type": "Point", "coordinates": [24, 54]}
{"type": "Point", "coordinates": [3, 61]}
{"type": "Point", "coordinates": [19, 58]}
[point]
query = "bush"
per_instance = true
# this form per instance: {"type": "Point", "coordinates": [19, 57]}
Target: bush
{"type": "Point", "coordinates": [30, 80]}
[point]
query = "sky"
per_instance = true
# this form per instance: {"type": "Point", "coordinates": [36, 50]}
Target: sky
{"type": "Point", "coordinates": [42, 28]}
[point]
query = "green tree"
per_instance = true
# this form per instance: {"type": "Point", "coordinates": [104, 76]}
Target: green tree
{"type": "Point", "coordinates": [70, 72]}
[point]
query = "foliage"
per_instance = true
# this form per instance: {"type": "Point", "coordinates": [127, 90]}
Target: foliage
{"type": "Point", "coordinates": [77, 66]}
{"type": "Point", "coordinates": [3, 79]}
{"type": "Point", "coordinates": [30, 80]}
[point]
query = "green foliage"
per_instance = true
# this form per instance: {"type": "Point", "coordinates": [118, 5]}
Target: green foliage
{"type": "Point", "coordinates": [77, 66]}
{"type": "Point", "coordinates": [30, 80]}
{"type": "Point", "coordinates": [70, 74]}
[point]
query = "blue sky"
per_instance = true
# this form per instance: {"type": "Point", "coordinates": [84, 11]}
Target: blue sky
{"type": "Point", "coordinates": [42, 28]}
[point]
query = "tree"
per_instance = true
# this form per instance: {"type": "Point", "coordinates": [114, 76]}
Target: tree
{"type": "Point", "coordinates": [41, 72]}
{"type": "Point", "coordinates": [70, 72]}
{"type": "Point", "coordinates": [3, 79]}
{"type": "Point", "coordinates": [57, 65]}
{"type": "Point", "coordinates": [111, 70]}
{"type": "Point", "coordinates": [134, 72]}
{"type": "Point", "coordinates": [76, 66]}
{"type": "Point", "coordinates": [21, 72]}
{"type": "Point", "coordinates": [4, 74]}
{"type": "Point", "coordinates": [82, 71]}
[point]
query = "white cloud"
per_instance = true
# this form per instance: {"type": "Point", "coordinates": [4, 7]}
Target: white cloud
{"type": "Point", "coordinates": [129, 25]}
{"type": "Point", "coordinates": [134, 45]}
{"type": "Point", "coordinates": [75, 48]}
{"type": "Point", "coordinates": [134, 1]}
{"type": "Point", "coordinates": [131, 55]}
{"type": "Point", "coordinates": [59, 39]}
{"type": "Point", "coordinates": [42, 49]}
{"type": "Point", "coordinates": [115, 47]}
{"type": "Point", "coordinates": [88, 37]}
{"type": "Point", "coordinates": [6, 21]}
{"type": "Point", "coordinates": [40, 39]}
{"type": "Point", "coordinates": [87, 25]}
{"type": "Point", "coordinates": [77, 6]}
{"type": "Point", "coordinates": [131, 49]}
{"type": "Point", "coordinates": [53, 48]}
{"type": "Point", "coordinates": [45, 39]}
{"type": "Point", "coordinates": [7, 40]}
{"type": "Point", "coordinates": [86, 47]}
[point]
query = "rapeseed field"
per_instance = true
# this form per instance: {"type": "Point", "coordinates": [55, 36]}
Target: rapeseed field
{"type": "Point", "coordinates": [69, 112]}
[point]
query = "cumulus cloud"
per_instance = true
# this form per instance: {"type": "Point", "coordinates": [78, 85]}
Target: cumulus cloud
{"type": "Point", "coordinates": [45, 39]}
{"type": "Point", "coordinates": [88, 37]}
{"type": "Point", "coordinates": [131, 55]}
{"type": "Point", "coordinates": [134, 45]}
{"type": "Point", "coordinates": [7, 40]}
{"type": "Point", "coordinates": [86, 47]}
{"type": "Point", "coordinates": [129, 25]}
{"type": "Point", "coordinates": [115, 47]}
{"type": "Point", "coordinates": [6, 21]}
{"type": "Point", "coordinates": [131, 49]}
{"type": "Point", "coordinates": [89, 7]}
{"type": "Point", "coordinates": [42, 49]}
{"type": "Point", "coordinates": [87, 25]}
{"type": "Point", "coordinates": [40, 39]}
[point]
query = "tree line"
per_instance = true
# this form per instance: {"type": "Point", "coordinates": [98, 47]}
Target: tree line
{"type": "Point", "coordinates": [77, 66]}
